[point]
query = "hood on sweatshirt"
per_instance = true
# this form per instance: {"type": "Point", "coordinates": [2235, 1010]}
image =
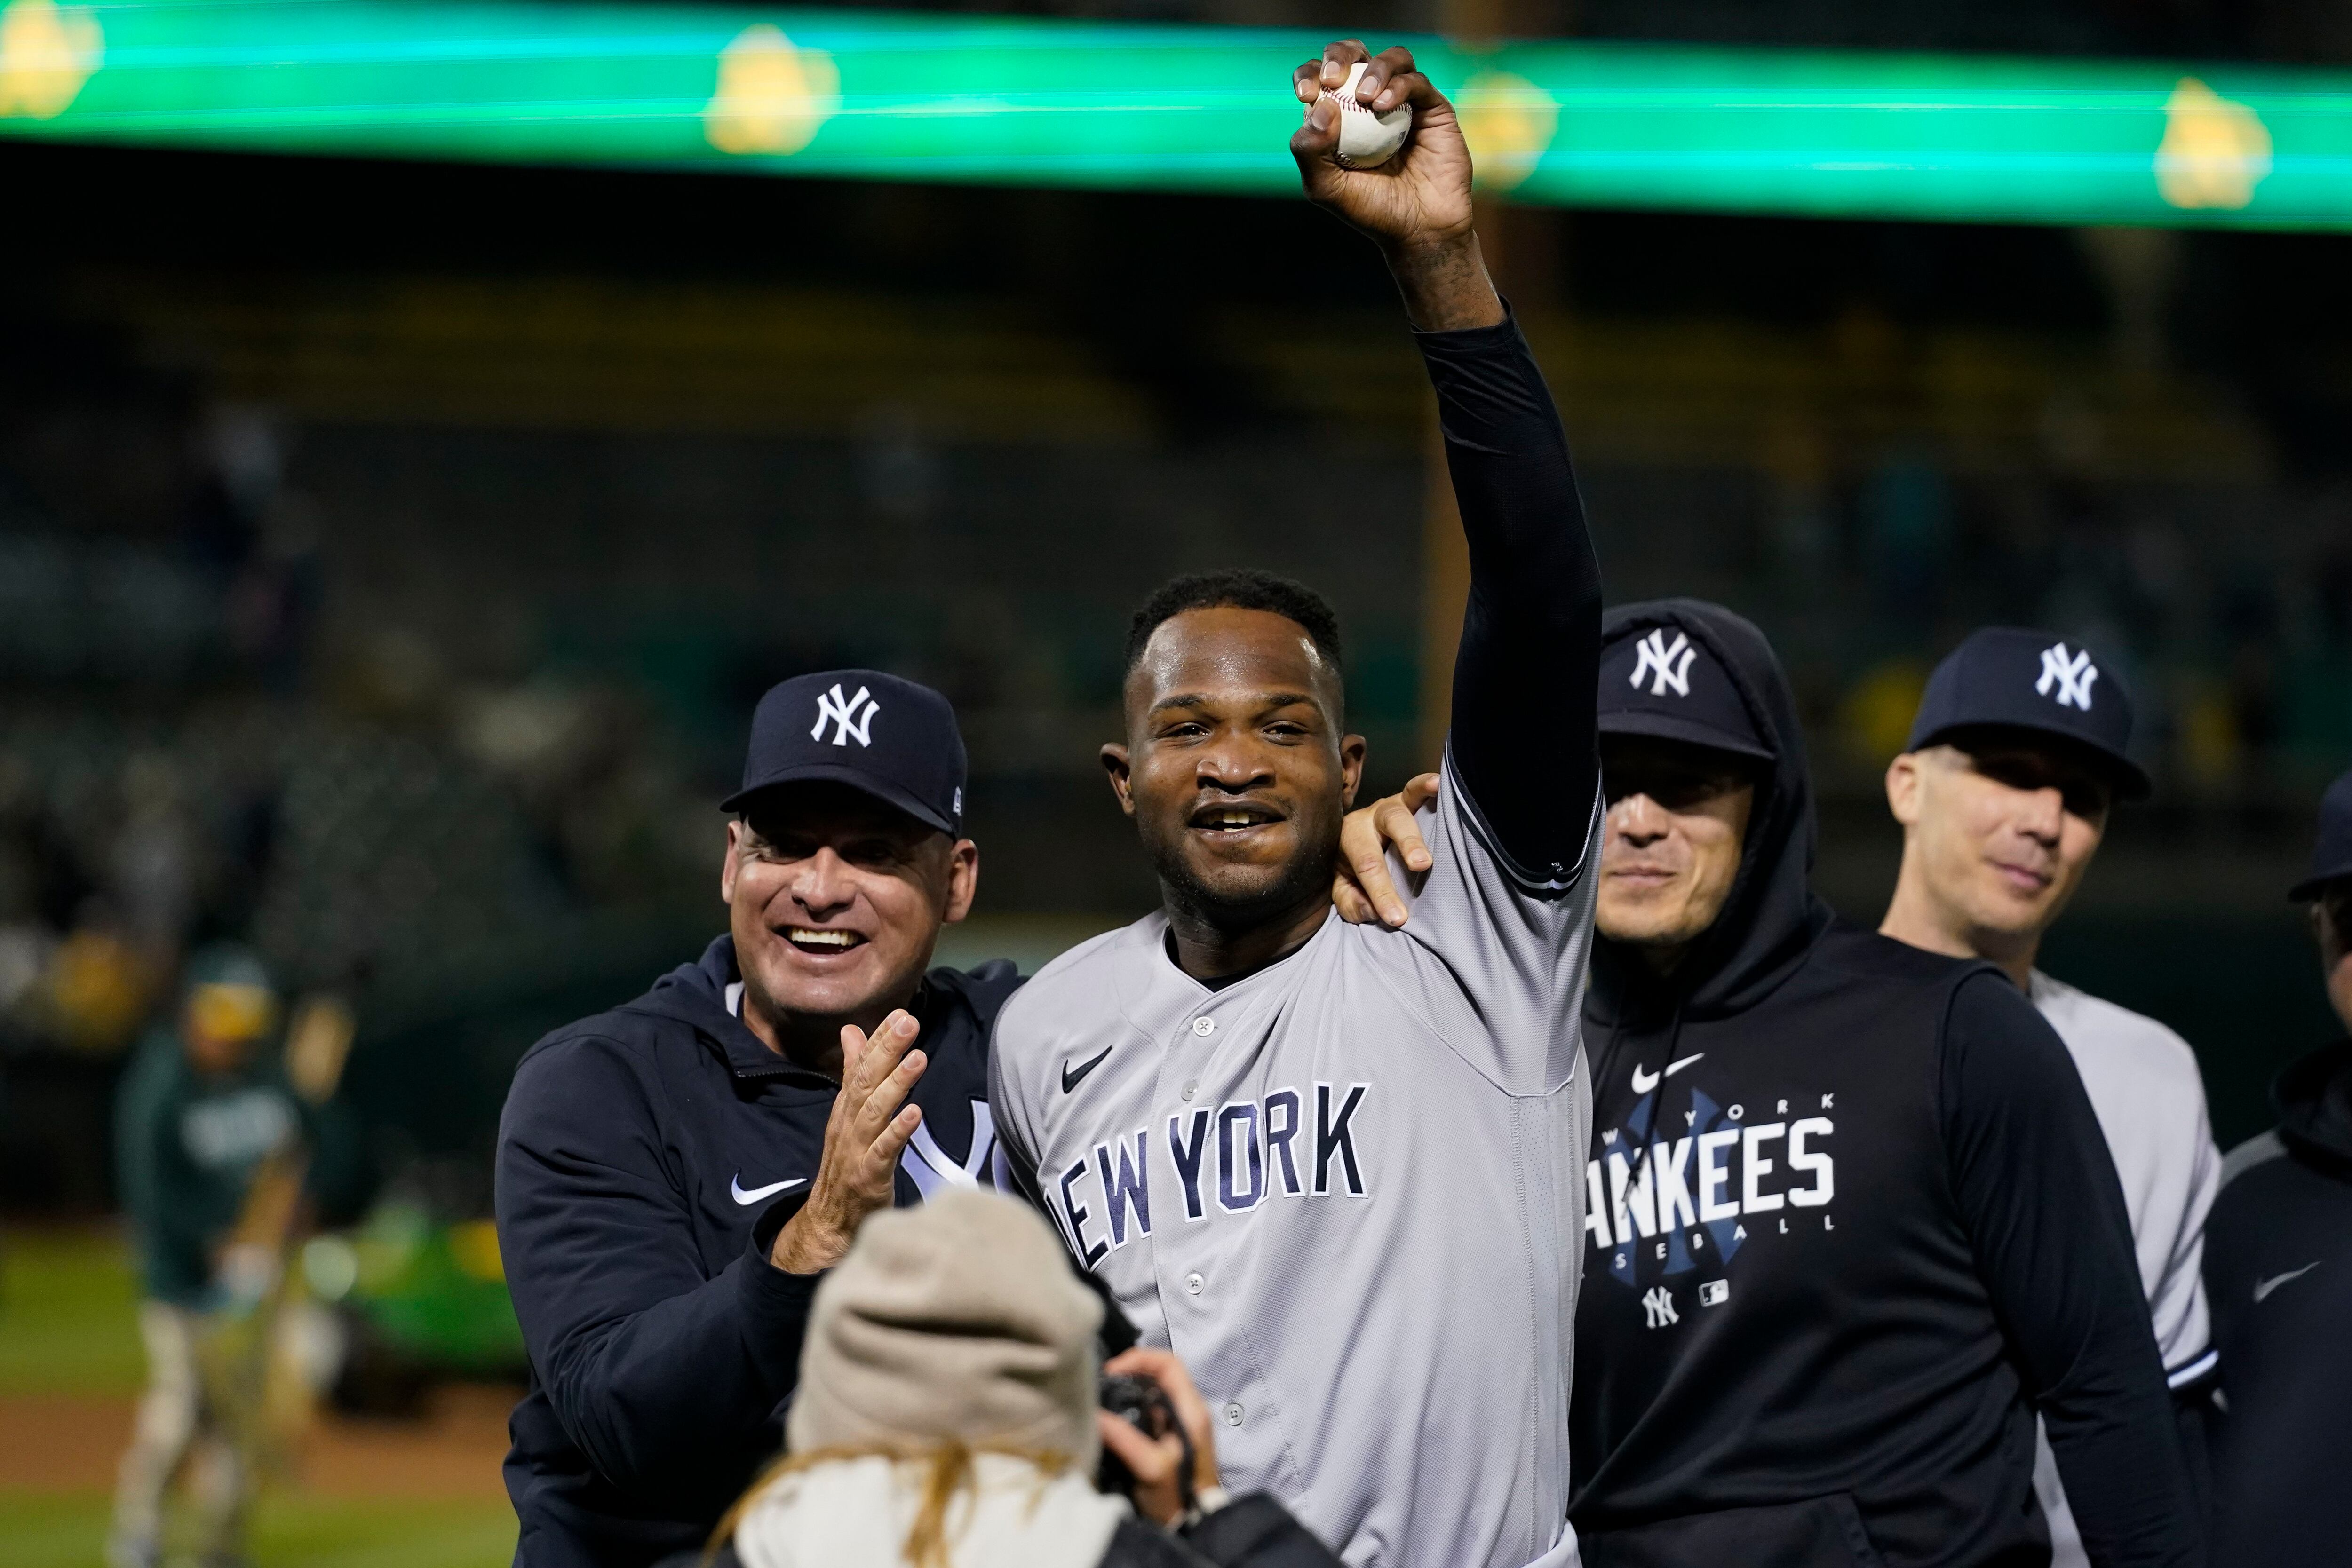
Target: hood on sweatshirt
{"type": "Point", "coordinates": [2314, 1099]}
{"type": "Point", "coordinates": [1772, 916]}
{"type": "Point", "coordinates": [700, 996]}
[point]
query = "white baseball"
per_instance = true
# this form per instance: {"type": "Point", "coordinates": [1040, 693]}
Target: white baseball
{"type": "Point", "coordinates": [1366, 139]}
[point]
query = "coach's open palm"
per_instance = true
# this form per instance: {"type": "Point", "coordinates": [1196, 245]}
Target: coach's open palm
{"type": "Point", "coordinates": [869, 1130]}
{"type": "Point", "coordinates": [1422, 195]}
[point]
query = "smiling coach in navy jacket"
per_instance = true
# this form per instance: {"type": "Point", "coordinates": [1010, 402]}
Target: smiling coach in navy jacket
{"type": "Point", "coordinates": [674, 1174]}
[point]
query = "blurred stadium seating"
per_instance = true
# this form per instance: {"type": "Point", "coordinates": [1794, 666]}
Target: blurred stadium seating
{"type": "Point", "coordinates": [396, 599]}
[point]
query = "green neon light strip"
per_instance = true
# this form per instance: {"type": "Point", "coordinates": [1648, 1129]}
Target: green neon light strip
{"type": "Point", "coordinates": [877, 96]}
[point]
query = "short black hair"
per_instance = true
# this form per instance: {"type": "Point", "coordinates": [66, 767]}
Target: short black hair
{"type": "Point", "coordinates": [1241, 587]}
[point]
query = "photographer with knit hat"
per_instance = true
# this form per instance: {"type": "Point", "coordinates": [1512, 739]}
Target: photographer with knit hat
{"type": "Point", "coordinates": [946, 1417]}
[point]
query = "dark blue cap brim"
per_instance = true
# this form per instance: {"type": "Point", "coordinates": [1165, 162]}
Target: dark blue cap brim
{"type": "Point", "coordinates": [1666, 727]}
{"type": "Point", "coordinates": [857, 779]}
{"type": "Point", "coordinates": [2308, 888]}
{"type": "Point", "coordinates": [2131, 780]}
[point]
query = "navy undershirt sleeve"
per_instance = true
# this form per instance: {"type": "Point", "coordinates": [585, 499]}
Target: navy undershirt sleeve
{"type": "Point", "coordinates": [2038, 1192]}
{"type": "Point", "coordinates": [1526, 678]}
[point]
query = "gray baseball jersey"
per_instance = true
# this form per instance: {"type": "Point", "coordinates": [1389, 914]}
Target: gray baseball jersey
{"type": "Point", "coordinates": [1346, 1190]}
{"type": "Point", "coordinates": [2150, 1100]}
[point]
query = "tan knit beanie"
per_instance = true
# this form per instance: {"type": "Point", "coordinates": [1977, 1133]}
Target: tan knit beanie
{"type": "Point", "coordinates": [960, 1320]}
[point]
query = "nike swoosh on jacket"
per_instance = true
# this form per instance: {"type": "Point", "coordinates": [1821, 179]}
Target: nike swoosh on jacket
{"type": "Point", "coordinates": [736, 1191]}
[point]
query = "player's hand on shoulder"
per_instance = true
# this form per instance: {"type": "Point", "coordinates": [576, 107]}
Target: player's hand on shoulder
{"type": "Point", "coordinates": [1419, 195]}
{"type": "Point", "coordinates": [1362, 888]}
{"type": "Point", "coordinates": [870, 1127]}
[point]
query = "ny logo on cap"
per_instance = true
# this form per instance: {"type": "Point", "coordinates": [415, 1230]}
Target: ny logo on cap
{"type": "Point", "coordinates": [2071, 674]}
{"type": "Point", "coordinates": [1672, 662]}
{"type": "Point", "coordinates": [850, 717]}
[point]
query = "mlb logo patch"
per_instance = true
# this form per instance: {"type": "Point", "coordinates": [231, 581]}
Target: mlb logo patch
{"type": "Point", "coordinates": [1714, 1293]}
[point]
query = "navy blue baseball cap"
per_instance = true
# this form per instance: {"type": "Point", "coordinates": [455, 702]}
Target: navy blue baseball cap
{"type": "Point", "coordinates": [2331, 857]}
{"type": "Point", "coordinates": [2016, 678]}
{"type": "Point", "coordinates": [1659, 680]}
{"type": "Point", "coordinates": [892, 738]}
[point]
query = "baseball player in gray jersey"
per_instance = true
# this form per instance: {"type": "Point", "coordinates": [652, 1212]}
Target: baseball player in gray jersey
{"type": "Point", "coordinates": [2018, 750]}
{"type": "Point", "coordinates": [1336, 1168]}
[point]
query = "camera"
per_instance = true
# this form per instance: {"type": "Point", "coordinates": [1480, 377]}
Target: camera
{"type": "Point", "coordinates": [1143, 1405]}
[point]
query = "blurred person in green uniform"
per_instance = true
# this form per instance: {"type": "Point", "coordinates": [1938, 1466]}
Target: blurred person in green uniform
{"type": "Point", "coordinates": [211, 1143]}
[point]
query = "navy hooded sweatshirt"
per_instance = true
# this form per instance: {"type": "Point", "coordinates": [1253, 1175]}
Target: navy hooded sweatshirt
{"type": "Point", "coordinates": [2278, 1270]}
{"type": "Point", "coordinates": [1851, 1222]}
{"type": "Point", "coordinates": [647, 1158]}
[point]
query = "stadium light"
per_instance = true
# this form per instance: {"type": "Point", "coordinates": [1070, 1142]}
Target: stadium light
{"type": "Point", "coordinates": [884, 96]}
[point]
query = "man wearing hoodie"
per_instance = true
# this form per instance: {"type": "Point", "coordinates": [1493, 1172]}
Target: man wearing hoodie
{"type": "Point", "coordinates": [2020, 748]}
{"type": "Point", "coordinates": [2278, 1268]}
{"type": "Point", "coordinates": [675, 1175]}
{"type": "Point", "coordinates": [1852, 1220]}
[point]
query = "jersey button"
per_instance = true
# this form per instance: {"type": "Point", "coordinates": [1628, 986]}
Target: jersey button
{"type": "Point", "coordinates": [1195, 1284]}
{"type": "Point", "coordinates": [1191, 1087]}
{"type": "Point", "coordinates": [1204, 1026]}
{"type": "Point", "coordinates": [1232, 1415]}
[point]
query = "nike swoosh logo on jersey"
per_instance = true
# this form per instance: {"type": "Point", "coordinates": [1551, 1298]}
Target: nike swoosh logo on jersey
{"type": "Point", "coordinates": [1645, 1082]}
{"type": "Point", "coordinates": [735, 1188]}
{"type": "Point", "coordinates": [2263, 1288]}
{"type": "Point", "coordinates": [1073, 1076]}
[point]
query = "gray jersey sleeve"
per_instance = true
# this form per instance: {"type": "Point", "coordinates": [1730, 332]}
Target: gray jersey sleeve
{"type": "Point", "coordinates": [1015, 1169]}
{"type": "Point", "coordinates": [2176, 1300]}
{"type": "Point", "coordinates": [1499, 963]}
{"type": "Point", "coordinates": [2144, 1085]}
